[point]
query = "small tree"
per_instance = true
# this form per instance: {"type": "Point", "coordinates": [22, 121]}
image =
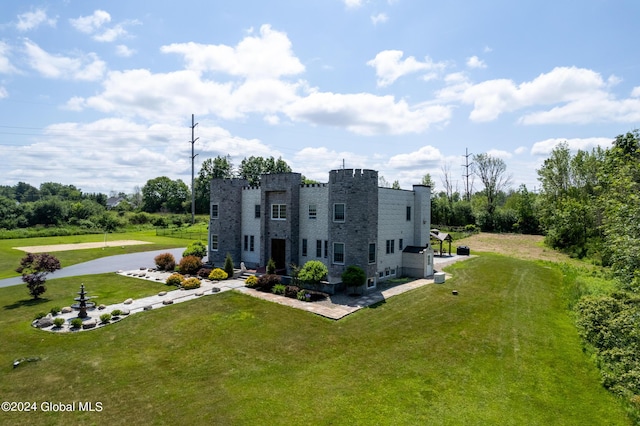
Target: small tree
{"type": "Point", "coordinates": [228, 265]}
{"type": "Point", "coordinates": [354, 277]}
{"type": "Point", "coordinates": [313, 272]}
{"type": "Point", "coordinates": [34, 269]}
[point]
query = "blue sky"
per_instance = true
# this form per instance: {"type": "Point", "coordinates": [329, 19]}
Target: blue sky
{"type": "Point", "coordinates": [99, 94]}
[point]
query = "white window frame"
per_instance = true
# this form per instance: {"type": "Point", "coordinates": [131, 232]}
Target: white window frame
{"type": "Point", "coordinates": [278, 212]}
{"type": "Point", "coordinates": [214, 242]}
{"type": "Point", "coordinates": [217, 211]}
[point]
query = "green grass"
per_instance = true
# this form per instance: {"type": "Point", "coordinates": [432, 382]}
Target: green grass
{"type": "Point", "coordinates": [502, 352]}
{"type": "Point", "coordinates": [10, 258]}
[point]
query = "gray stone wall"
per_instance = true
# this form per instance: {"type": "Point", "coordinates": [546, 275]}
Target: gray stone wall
{"type": "Point", "coordinates": [227, 194]}
{"type": "Point", "coordinates": [358, 191]}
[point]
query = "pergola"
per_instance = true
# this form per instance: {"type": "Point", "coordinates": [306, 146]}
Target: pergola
{"type": "Point", "coordinates": [442, 237]}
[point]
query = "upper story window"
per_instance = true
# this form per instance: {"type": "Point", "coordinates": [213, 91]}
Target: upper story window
{"type": "Point", "coordinates": [338, 212]}
{"type": "Point", "coordinates": [214, 242]}
{"type": "Point", "coordinates": [257, 211]}
{"type": "Point", "coordinates": [279, 211]}
{"type": "Point", "coordinates": [391, 246]}
{"type": "Point", "coordinates": [214, 211]}
{"type": "Point", "coordinates": [372, 252]}
{"type": "Point", "coordinates": [408, 212]}
{"type": "Point", "coordinates": [313, 211]}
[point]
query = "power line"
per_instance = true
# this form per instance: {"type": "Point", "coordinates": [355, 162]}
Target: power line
{"type": "Point", "coordinates": [466, 175]}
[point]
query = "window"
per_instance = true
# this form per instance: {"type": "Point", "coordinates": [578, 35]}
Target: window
{"type": "Point", "coordinates": [371, 283]}
{"type": "Point", "coordinates": [326, 248]}
{"type": "Point", "coordinates": [214, 211]}
{"type": "Point", "coordinates": [400, 244]}
{"type": "Point", "coordinates": [214, 242]}
{"type": "Point", "coordinates": [246, 243]}
{"type": "Point", "coordinates": [372, 252]}
{"type": "Point", "coordinates": [257, 211]}
{"type": "Point", "coordinates": [251, 245]}
{"type": "Point", "coordinates": [304, 246]}
{"type": "Point", "coordinates": [313, 211]}
{"type": "Point", "coordinates": [338, 212]}
{"type": "Point", "coordinates": [381, 274]}
{"type": "Point", "coordinates": [391, 246]}
{"type": "Point", "coordinates": [338, 253]}
{"type": "Point", "coordinates": [408, 212]}
{"type": "Point", "coordinates": [279, 211]}
{"type": "Point", "coordinates": [318, 248]}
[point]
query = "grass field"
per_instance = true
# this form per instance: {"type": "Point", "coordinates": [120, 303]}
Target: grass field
{"type": "Point", "coordinates": [10, 258]}
{"type": "Point", "coordinates": [503, 352]}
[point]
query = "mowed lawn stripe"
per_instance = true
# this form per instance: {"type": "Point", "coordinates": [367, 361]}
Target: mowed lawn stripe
{"type": "Point", "coordinates": [504, 351]}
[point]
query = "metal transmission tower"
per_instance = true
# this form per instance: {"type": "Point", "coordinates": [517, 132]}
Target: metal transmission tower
{"type": "Point", "coordinates": [466, 165]}
{"type": "Point", "coordinates": [193, 157]}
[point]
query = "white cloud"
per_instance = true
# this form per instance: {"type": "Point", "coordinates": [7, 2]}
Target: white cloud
{"type": "Point", "coordinates": [546, 146]}
{"type": "Point", "coordinates": [3, 93]}
{"type": "Point", "coordinates": [316, 162]}
{"type": "Point", "coordinates": [498, 153]}
{"type": "Point", "coordinates": [475, 62]}
{"type": "Point", "coordinates": [90, 24]}
{"type": "Point", "coordinates": [111, 34]}
{"type": "Point", "coordinates": [635, 93]}
{"type": "Point", "coordinates": [124, 51]}
{"type": "Point", "coordinates": [367, 114]}
{"type": "Point", "coordinates": [268, 55]}
{"type": "Point", "coordinates": [31, 20]}
{"type": "Point", "coordinates": [390, 66]}
{"type": "Point", "coordinates": [581, 89]}
{"type": "Point", "coordinates": [353, 4]}
{"type": "Point", "coordinates": [5, 64]}
{"type": "Point", "coordinates": [521, 150]}
{"type": "Point", "coordinates": [88, 67]}
{"type": "Point", "coordinates": [425, 157]}
{"type": "Point", "coordinates": [380, 18]}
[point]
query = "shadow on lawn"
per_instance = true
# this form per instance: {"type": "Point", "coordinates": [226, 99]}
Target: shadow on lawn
{"type": "Point", "coordinates": [26, 302]}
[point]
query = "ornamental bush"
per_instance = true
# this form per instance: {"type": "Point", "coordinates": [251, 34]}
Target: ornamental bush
{"type": "Point", "coordinates": [197, 249]}
{"type": "Point", "coordinates": [165, 262]}
{"type": "Point", "coordinates": [116, 312]}
{"type": "Point", "coordinates": [251, 281]}
{"type": "Point", "coordinates": [313, 272]}
{"type": "Point", "coordinates": [354, 276]}
{"type": "Point", "coordinates": [104, 318]}
{"type": "Point", "coordinates": [190, 265]}
{"type": "Point", "coordinates": [278, 289]}
{"type": "Point", "coordinates": [218, 275]}
{"type": "Point", "coordinates": [266, 282]}
{"type": "Point", "coordinates": [55, 310]}
{"type": "Point", "coordinates": [291, 291]}
{"type": "Point", "coordinates": [58, 322]}
{"type": "Point", "coordinates": [175, 279]}
{"type": "Point", "coordinates": [76, 323]}
{"type": "Point", "coordinates": [204, 272]}
{"type": "Point", "coordinates": [191, 283]}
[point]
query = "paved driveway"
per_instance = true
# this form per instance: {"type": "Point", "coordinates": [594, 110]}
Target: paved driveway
{"type": "Point", "coordinates": [105, 265]}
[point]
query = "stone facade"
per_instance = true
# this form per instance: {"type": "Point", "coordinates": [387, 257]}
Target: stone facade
{"type": "Point", "coordinates": [347, 221]}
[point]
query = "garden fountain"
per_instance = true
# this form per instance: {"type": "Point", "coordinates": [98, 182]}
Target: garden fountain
{"type": "Point", "coordinates": [83, 303]}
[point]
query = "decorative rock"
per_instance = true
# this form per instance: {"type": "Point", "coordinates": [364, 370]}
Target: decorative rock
{"type": "Point", "coordinates": [167, 302]}
{"type": "Point", "coordinates": [454, 292]}
{"type": "Point", "coordinates": [89, 323]}
{"type": "Point", "coordinates": [124, 312]}
{"type": "Point", "coordinates": [44, 322]}
{"type": "Point", "coordinates": [215, 289]}
{"type": "Point", "coordinates": [199, 293]}
{"type": "Point", "coordinates": [147, 308]}
{"type": "Point", "coordinates": [66, 310]}
{"type": "Point", "coordinates": [162, 293]}
{"type": "Point", "coordinates": [128, 301]}
{"type": "Point", "coordinates": [142, 268]}
{"type": "Point", "coordinates": [243, 268]}
{"type": "Point", "coordinates": [101, 307]}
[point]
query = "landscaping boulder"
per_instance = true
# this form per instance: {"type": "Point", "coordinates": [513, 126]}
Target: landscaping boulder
{"type": "Point", "coordinates": [91, 323]}
{"type": "Point", "coordinates": [199, 293]}
{"type": "Point", "coordinates": [66, 310]}
{"type": "Point", "coordinates": [147, 308]}
{"type": "Point", "coordinates": [167, 302]}
{"type": "Point", "coordinates": [45, 321]}
{"type": "Point", "coordinates": [101, 307]}
{"type": "Point", "coordinates": [162, 293]}
{"type": "Point", "coordinates": [128, 301]}
{"type": "Point", "coordinates": [124, 312]}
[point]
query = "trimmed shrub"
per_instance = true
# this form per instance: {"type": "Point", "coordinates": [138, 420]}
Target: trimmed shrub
{"type": "Point", "coordinates": [55, 310]}
{"type": "Point", "coordinates": [278, 289]}
{"type": "Point", "coordinates": [353, 276]}
{"type": "Point", "coordinates": [190, 265]}
{"type": "Point", "coordinates": [165, 262]}
{"type": "Point", "coordinates": [251, 281]}
{"type": "Point", "coordinates": [291, 291]}
{"type": "Point", "coordinates": [197, 249]}
{"type": "Point", "coordinates": [191, 283]}
{"type": "Point", "coordinates": [313, 272]}
{"type": "Point", "coordinates": [271, 267]}
{"type": "Point", "coordinates": [218, 275]}
{"type": "Point", "coordinates": [116, 313]}
{"type": "Point", "coordinates": [104, 318]}
{"type": "Point", "coordinates": [228, 265]}
{"type": "Point", "coordinates": [204, 272]}
{"type": "Point", "coordinates": [76, 323]}
{"type": "Point", "coordinates": [266, 282]}
{"type": "Point", "coordinates": [175, 279]}
{"type": "Point", "coordinates": [58, 322]}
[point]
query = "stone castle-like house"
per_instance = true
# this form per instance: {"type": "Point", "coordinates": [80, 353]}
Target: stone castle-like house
{"type": "Point", "coordinates": [348, 221]}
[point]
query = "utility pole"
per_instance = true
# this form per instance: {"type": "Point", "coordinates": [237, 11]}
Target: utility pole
{"type": "Point", "coordinates": [193, 157]}
{"type": "Point", "coordinates": [466, 175]}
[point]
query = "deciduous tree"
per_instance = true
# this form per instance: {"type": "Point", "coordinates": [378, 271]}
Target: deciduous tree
{"type": "Point", "coordinates": [34, 269]}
